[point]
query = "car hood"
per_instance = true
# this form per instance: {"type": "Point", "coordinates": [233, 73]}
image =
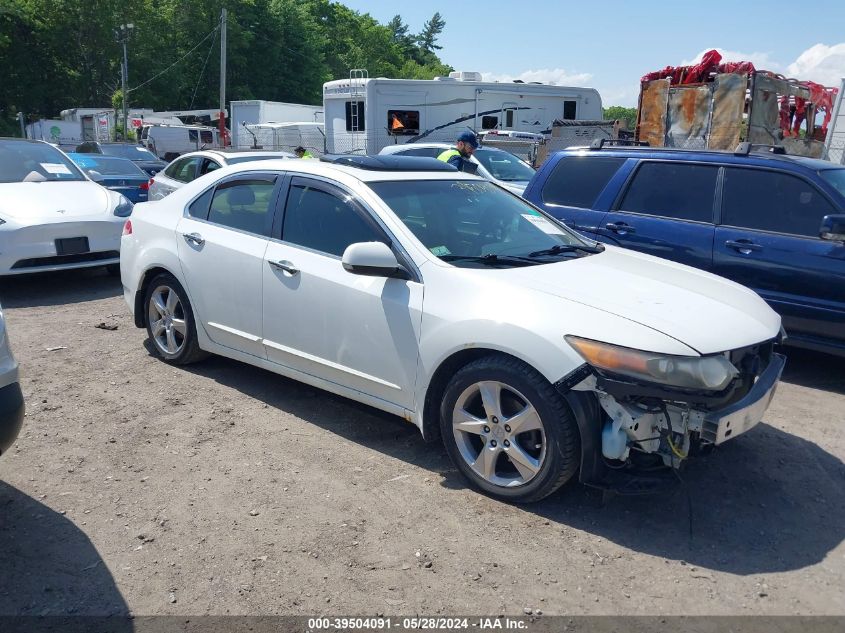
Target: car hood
{"type": "Point", "coordinates": [710, 314]}
{"type": "Point", "coordinates": [38, 202]}
{"type": "Point", "coordinates": [516, 186]}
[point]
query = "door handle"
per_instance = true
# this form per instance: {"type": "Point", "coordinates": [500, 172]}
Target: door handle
{"type": "Point", "coordinates": [285, 266]}
{"type": "Point", "coordinates": [744, 247]}
{"type": "Point", "coordinates": [620, 228]}
{"type": "Point", "coordinates": [194, 238]}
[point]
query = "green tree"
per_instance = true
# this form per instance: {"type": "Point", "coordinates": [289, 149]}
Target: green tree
{"type": "Point", "coordinates": [629, 115]}
{"type": "Point", "coordinates": [431, 30]}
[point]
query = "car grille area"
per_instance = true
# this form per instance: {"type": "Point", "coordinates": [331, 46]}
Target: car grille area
{"type": "Point", "coordinates": [60, 260]}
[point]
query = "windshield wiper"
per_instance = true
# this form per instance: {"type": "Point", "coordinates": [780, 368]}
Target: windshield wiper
{"type": "Point", "coordinates": [567, 248]}
{"type": "Point", "coordinates": [490, 259]}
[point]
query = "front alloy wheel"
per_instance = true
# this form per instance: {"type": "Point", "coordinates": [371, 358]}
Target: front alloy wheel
{"type": "Point", "coordinates": [507, 429]}
{"type": "Point", "coordinates": [499, 434]}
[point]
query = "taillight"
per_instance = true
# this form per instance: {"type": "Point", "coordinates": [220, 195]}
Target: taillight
{"type": "Point", "coordinates": [127, 227]}
{"type": "Point", "coordinates": [145, 186]}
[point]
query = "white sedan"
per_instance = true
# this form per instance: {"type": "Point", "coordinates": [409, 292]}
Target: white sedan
{"type": "Point", "coordinates": [52, 215]}
{"type": "Point", "coordinates": [189, 167]}
{"type": "Point", "coordinates": [496, 165]}
{"type": "Point", "coordinates": [441, 298]}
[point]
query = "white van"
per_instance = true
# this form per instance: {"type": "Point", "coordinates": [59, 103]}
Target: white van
{"type": "Point", "coordinates": [169, 141]}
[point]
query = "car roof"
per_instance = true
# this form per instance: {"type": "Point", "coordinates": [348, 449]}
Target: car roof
{"type": "Point", "coordinates": [348, 174]}
{"type": "Point", "coordinates": [753, 157]}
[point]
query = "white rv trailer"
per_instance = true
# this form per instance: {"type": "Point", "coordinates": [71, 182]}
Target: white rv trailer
{"type": "Point", "coordinates": [363, 115]}
{"type": "Point", "coordinates": [259, 111]}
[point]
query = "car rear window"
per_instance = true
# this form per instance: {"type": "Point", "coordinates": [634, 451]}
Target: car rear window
{"type": "Point", "coordinates": [773, 201]}
{"type": "Point", "coordinates": [577, 181]}
{"type": "Point", "coordinates": [681, 191]}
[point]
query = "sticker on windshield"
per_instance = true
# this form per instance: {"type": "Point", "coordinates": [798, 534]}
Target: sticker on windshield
{"type": "Point", "coordinates": [440, 251]}
{"type": "Point", "coordinates": [55, 168]}
{"type": "Point", "coordinates": [543, 224]}
{"type": "Point", "coordinates": [141, 149]}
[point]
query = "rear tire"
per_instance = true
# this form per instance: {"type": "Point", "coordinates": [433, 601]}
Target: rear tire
{"type": "Point", "coordinates": [170, 322]}
{"type": "Point", "coordinates": [508, 431]}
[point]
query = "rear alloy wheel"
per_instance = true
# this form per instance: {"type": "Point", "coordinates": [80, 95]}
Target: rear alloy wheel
{"type": "Point", "coordinates": [508, 431]}
{"type": "Point", "coordinates": [170, 322]}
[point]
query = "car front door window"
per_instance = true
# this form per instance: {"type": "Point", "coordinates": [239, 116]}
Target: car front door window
{"type": "Point", "coordinates": [323, 220]}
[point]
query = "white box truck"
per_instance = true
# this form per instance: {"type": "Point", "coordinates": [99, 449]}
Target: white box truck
{"type": "Point", "coordinates": [363, 115]}
{"type": "Point", "coordinates": [259, 111]}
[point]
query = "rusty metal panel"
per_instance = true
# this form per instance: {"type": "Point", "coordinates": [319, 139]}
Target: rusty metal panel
{"type": "Point", "coordinates": [764, 120]}
{"type": "Point", "coordinates": [728, 105]}
{"type": "Point", "coordinates": [652, 121]}
{"type": "Point", "coordinates": [688, 116]}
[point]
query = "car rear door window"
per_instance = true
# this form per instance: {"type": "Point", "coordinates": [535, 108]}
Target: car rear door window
{"type": "Point", "coordinates": [429, 152]}
{"type": "Point", "coordinates": [323, 219]}
{"type": "Point", "coordinates": [244, 203]}
{"type": "Point", "coordinates": [773, 201]}
{"type": "Point", "coordinates": [577, 181]}
{"type": "Point", "coordinates": [672, 190]}
{"type": "Point", "coordinates": [184, 170]}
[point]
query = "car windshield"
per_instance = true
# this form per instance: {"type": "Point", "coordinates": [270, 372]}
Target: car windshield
{"type": "Point", "coordinates": [503, 165]}
{"type": "Point", "coordinates": [472, 223]}
{"type": "Point", "coordinates": [247, 159]}
{"type": "Point", "coordinates": [835, 177]}
{"type": "Point", "coordinates": [132, 152]}
{"type": "Point", "coordinates": [107, 165]}
{"type": "Point", "coordinates": [37, 162]}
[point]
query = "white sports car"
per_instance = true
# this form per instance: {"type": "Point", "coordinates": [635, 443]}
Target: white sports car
{"type": "Point", "coordinates": [442, 298]}
{"type": "Point", "coordinates": [52, 215]}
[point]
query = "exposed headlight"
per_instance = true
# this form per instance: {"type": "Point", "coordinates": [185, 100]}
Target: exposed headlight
{"type": "Point", "coordinates": [712, 373]}
{"type": "Point", "coordinates": [123, 208]}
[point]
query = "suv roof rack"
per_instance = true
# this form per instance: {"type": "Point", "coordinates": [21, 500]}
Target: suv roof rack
{"type": "Point", "coordinates": [388, 162]}
{"type": "Point", "coordinates": [618, 142]}
{"type": "Point", "coordinates": [745, 148]}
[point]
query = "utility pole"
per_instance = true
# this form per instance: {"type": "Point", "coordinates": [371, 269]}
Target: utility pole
{"type": "Point", "coordinates": [222, 116]}
{"type": "Point", "coordinates": [23, 124]}
{"type": "Point", "coordinates": [121, 35]}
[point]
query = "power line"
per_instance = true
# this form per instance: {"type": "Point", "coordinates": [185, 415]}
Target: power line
{"type": "Point", "coordinates": [202, 72]}
{"type": "Point", "coordinates": [213, 31]}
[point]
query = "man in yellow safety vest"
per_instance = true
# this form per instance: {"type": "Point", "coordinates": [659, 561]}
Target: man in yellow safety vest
{"type": "Point", "coordinates": [459, 157]}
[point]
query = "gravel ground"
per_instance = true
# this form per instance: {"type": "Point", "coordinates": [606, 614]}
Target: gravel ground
{"type": "Point", "coordinates": [136, 487]}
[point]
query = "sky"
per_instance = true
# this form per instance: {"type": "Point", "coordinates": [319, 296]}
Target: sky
{"type": "Point", "coordinates": [610, 45]}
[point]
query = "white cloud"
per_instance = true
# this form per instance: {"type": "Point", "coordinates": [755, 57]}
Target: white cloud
{"type": "Point", "coordinates": [557, 76]}
{"type": "Point", "coordinates": [820, 63]}
{"type": "Point", "coordinates": [761, 61]}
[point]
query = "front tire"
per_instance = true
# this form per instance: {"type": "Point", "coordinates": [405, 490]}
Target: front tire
{"type": "Point", "coordinates": [508, 431]}
{"type": "Point", "coordinates": [170, 322]}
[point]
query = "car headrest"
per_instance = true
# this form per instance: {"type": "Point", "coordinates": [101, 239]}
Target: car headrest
{"type": "Point", "coordinates": [241, 196]}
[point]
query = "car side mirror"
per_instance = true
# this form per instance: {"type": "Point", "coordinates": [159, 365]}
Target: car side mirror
{"type": "Point", "coordinates": [374, 259]}
{"type": "Point", "coordinates": [95, 176]}
{"type": "Point", "coordinates": [833, 228]}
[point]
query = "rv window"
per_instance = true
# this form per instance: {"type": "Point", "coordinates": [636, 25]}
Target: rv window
{"type": "Point", "coordinates": [569, 110]}
{"type": "Point", "coordinates": [509, 118]}
{"type": "Point", "coordinates": [192, 136]}
{"type": "Point", "coordinates": [354, 116]}
{"type": "Point", "coordinates": [206, 136]}
{"type": "Point", "coordinates": [489, 122]}
{"type": "Point", "coordinates": [403, 122]}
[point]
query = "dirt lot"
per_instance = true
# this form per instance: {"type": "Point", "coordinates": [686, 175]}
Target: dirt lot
{"type": "Point", "coordinates": [221, 488]}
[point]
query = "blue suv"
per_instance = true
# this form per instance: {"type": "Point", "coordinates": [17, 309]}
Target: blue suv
{"type": "Point", "coordinates": [772, 222]}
